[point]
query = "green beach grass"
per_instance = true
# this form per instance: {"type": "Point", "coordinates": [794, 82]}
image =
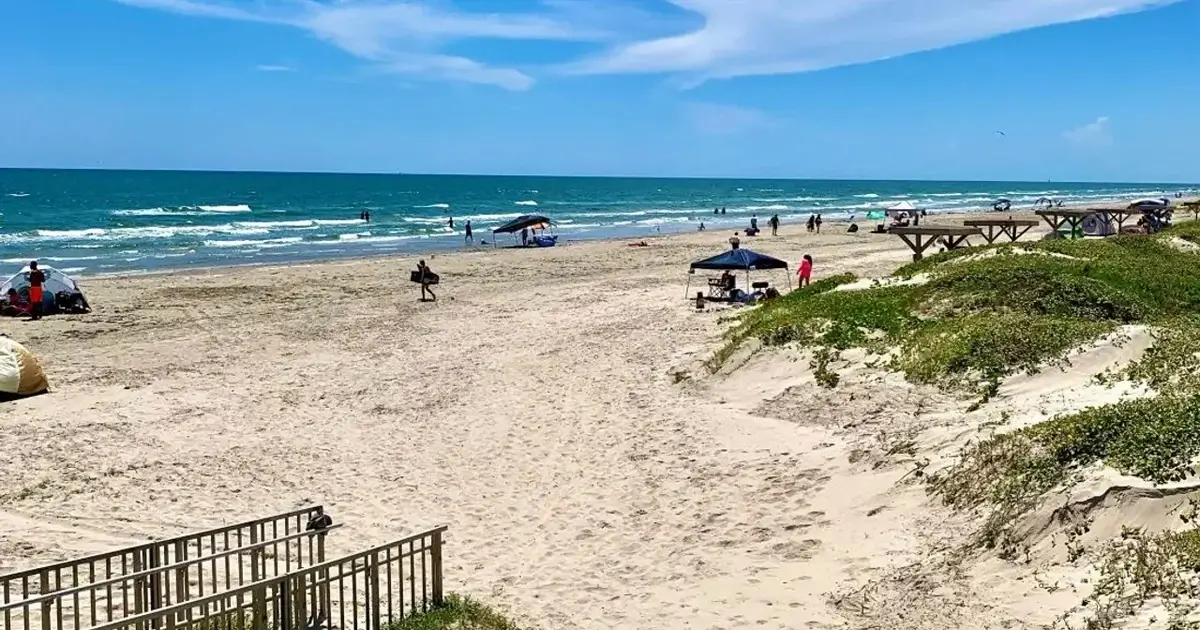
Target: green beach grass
{"type": "Point", "coordinates": [457, 613]}
{"type": "Point", "coordinates": [968, 318]}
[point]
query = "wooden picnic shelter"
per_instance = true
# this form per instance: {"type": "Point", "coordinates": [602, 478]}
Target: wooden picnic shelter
{"type": "Point", "coordinates": [1058, 217]}
{"type": "Point", "coordinates": [919, 238]}
{"type": "Point", "coordinates": [1117, 215]}
{"type": "Point", "coordinates": [1193, 207]}
{"type": "Point", "coordinates": [1010, 227]}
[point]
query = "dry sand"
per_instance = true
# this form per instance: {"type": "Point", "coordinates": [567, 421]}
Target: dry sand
{"type": "Point", "coordinates": [534, 410]}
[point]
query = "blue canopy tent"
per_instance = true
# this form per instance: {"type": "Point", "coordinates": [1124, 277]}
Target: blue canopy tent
{"type": "Point", "coordinates": [737, 260]}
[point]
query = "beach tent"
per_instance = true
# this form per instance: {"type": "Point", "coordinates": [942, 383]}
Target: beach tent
{"type": "Point", "coordinates": [1150, 204]}
{"type": "Point", "coordinates": [1002, 205]}
{"type": "Point", "coordinates": [20, 372]}
{"type": "Point", "coordinates": [532, 222]}
{"type": "Point", "coordinates": [56, 282]}
{"type": "Point", "coordinates": [903, 206]}
{"type": "Point", "coordinates": [740, 259]}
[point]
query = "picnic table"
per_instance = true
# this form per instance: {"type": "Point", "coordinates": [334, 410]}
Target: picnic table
{"type": "Point", "coordinates": [1010, 227]}
{"type": "Point", "coordinates": [1056, 218]}
{"type": "Point", "coordinates": [920, 238]}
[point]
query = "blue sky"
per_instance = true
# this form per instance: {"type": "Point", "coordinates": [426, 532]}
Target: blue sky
{"type": "Point", "coordinates": [1099, 90]}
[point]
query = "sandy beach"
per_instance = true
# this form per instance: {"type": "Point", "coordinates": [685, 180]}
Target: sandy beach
{"type": "Point", "coordinates": [540, 409]}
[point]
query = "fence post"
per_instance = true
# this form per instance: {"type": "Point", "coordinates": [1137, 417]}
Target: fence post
{"type": "Point", "coordinates": [373, 605]}
{"type": "Point", "coordinates": [44, 588]}
{"type": "Point", "coordinates": [156, 581]}
{"type": "Point", "coordinates": [436, 561]}
{"type": "Point", "coordinates": [258, 608]}
{"type": "Point", "coordinates": [325, 606]}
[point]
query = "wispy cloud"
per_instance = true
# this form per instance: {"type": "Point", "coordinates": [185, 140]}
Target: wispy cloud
{"type": "Point", "coordinates": [763, 37]}
{"type": "Point", "coordinates": [692, 40]}
{"type": "Point", "coordinates": [1094, 135]}
{"type": "Point", "coordinates": [406, 37]}
{"type": "Point", "coordinates": [266, 67]}
{"type": "Point", "coordinates": [720, 120]}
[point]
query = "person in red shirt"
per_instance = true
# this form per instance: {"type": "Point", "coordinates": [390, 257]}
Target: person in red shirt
{"type": "Point", "coordinates": [36, 278]}
{"type": "Point", "coordinates": [805, 271]}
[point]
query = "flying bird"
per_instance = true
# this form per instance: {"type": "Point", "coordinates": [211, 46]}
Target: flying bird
{"type": "Point", "coordinates": [1002, 133]}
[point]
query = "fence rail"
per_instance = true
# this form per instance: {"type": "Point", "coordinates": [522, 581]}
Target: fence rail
{"type": "Point", "coordinates": [363, 591]}
{"type": "Point", "coordinates": [107, 587]}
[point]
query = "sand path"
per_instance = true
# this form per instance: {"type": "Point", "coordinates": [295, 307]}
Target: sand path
{"type": "Point", "coordinates": [531, 410]}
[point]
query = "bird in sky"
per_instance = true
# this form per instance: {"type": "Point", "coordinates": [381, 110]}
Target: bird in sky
{"type": "Point", "coordinates": [1002, 133]}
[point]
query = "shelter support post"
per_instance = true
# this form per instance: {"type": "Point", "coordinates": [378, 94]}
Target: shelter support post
{"type": "Point", "coordinates": [918, 244]}
{"type": "Point", "coordinates": [991, 235]}
{"type": "Point", "coordinates": [955, 242]}
{"type": "Point", "coordinates": [1015, 232]}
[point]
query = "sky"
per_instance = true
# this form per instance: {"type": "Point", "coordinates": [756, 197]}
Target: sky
{"type": "Point", "coordinates": [1029, 90]}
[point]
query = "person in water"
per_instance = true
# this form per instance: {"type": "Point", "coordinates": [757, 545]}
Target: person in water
{"type": "Point", "coordinates": [36, 279]}
{"type": "Point", "coordinates": [470, 238]}
{"type": "Point", "coordinates": [451, 223]}
{"type": "Point", "coordinates": [424, 271]}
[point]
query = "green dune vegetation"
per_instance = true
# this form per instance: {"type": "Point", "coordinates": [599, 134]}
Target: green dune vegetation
{"type": "Point", "coordinates": [966, 319]}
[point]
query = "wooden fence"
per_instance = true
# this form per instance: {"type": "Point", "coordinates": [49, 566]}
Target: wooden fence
{"type": "Point", "coordinates": [107, 587]}
{"type": "Point", "coordinates": [362, 591]}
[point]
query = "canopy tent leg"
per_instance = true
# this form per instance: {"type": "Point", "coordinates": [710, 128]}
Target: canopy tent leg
{"type": "Point", "coordinates": [688, 289]}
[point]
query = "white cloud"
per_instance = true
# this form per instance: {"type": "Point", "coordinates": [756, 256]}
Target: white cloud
{"type": "Point", "coordinates": [404, 37]}
{"type": "Point", "coordinates": [266, 67]}
{"type": "Point", "coordinates": [763, 37]}
{"type": "Point", "coordinates": [719, 120]}
{"type": "Point", "coordinates": [692, 40]}
{"type": "Point", "coordinates": [1094, 135]}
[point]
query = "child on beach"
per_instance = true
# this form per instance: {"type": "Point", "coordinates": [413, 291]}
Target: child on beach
{"type": "Point", "coordinates": [36, 278]}
{"type": "Point", "coordinates": [805, 271]}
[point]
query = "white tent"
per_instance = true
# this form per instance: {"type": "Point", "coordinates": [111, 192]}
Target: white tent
{"type": "Point", "coordinates": [56, 282]}
{"type": "Point", "coordinates": [903, 206]}
{"type": "Point", "coordinates": [20, 372]}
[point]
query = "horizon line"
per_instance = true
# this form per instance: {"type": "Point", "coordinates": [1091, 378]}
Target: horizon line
{"type": "Point", "coordinates": [549, 176]}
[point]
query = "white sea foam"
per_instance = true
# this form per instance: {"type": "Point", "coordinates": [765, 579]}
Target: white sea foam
{"type": "Point", "coordinates": [435, 205]}
{"type": "Point", "coordinates": [868, 196]}
{"type": "Point", "coordinates": [17, 194]}
{"type": "Point", "coordinates": [241, 207]}
{"type": "Point", "coordinates": [270, 242]}
{"type": "Point", "coordinates": [526, 203]}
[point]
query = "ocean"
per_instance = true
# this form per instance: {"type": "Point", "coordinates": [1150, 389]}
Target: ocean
{"type": "Point", "coordinates": [98, 222]}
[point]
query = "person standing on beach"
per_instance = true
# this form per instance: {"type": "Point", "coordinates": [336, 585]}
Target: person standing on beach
{"type": "Point", "coordinates": [734, 241]}
{"type": "Point", "coordinates": [818, 224]}
{"type": "Point", "coordinates": [423, 277]}
{"type": "Point", "coordinates": [469, 238]}
{"type": "Point", "coordinates": [36, 279]}
{"type": "Point", "coordinates": [812, 222]}
{"type": "Point", "coordinates": [804, 274]}
{"type": "Point", "coordinates": [524, 237]}
{"type": "Point", "coordinates": [774, 223]}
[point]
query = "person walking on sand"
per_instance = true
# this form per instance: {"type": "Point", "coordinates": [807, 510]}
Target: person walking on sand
{"type": "Point", "coordinates": [425, 279]}
{"type": "Point", "coordinates": [818, 224]}
{"type": "Point", "coordinates": [36, 279]}
{"type": "Point", "coordinates": [774, 223]}
{"type": "Point", "coordinates": [470, 238]}
{"type": "Point", "coordinates": [804, 274]}
{"type": "Point", "coordinates": [812, 222]}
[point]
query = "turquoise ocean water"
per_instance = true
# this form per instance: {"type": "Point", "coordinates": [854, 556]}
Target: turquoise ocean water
{"type": "Point", "coordinates": [95, 222]}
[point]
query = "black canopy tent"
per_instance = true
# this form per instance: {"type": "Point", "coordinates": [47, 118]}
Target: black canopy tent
{"type": "Point", "coordinates": [740, 259]}
{"type": "Point", "coordinates": [522, 222]}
